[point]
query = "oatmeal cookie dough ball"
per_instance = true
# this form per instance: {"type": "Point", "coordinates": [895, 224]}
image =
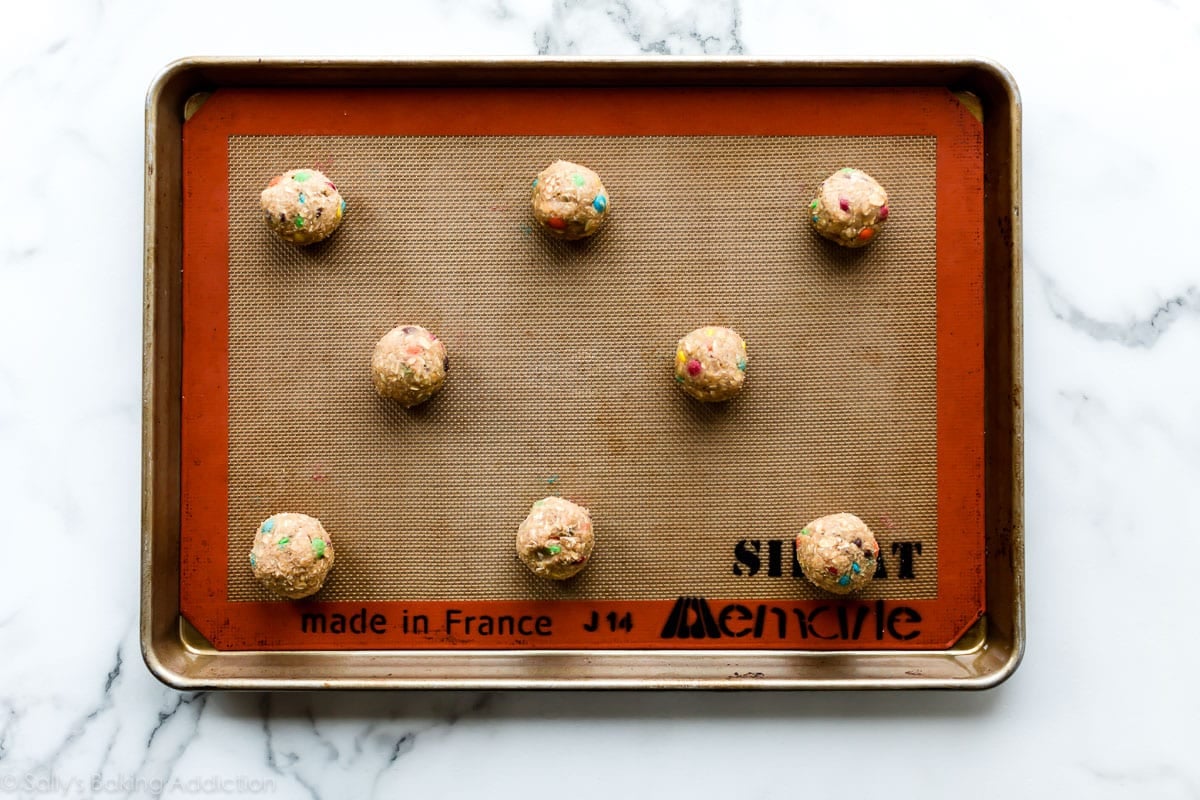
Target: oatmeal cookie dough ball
{"type": "Point", "coordinates": [555, 540]}
{"type": "Point", "coordinates": [409, 364]}
{"type": "Point", "coordinates": [850, 208]}
{"type": "Point", "coordinates": [710, 363]}
{"type": "Point", "coordinates": [291, 555]}
{"type": "Point", "coordinates": [569, 201]}
{"type": "Point", "coordinates": [303, 206]}
{"type": "Point", "coordinates": [838, 553]}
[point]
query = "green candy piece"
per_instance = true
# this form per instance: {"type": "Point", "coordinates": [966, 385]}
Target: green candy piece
{"type": "Point", "coordinates": [813, 204]}
{"type": "Point", "coordinates": [847, 170]}
{"type": "Point", "coordinates": [300, 176]}
{"type": "Point", "coordinates": [577, 179]}
{"type": "Point", "coordinates": [299, 222]}
{"type": "Point", "coordinates": [318, 546]}
{"type": "Point", "coordinates": [283, 542]}
{"type": "Point", "coordinates": [554, 549]}
{"type": "Point", "coordinates": [805, 532]}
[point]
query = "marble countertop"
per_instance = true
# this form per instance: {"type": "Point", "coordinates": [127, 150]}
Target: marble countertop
{"type": "Point", "coordinates": [1099, 709]}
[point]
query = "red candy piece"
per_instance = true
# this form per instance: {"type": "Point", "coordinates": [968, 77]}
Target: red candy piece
{"type": "Point", "coordinates": [275, 180]}
{"type": "Point", "coordinates": [883, 212]}
{"type": "Point", "coordinates": [693, 367]}
{"type": "Point", "coordinates": [330, 185]}
{"type": "Point", "coordinates": [843, 204]}
{"type": "Point", "coordinates": [832, 570]}
{"type": "Point", "coordinates": [866, 233]}
{"type": "Point", "coordinates": [558, 223]}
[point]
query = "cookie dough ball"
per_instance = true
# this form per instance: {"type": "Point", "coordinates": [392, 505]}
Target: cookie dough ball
{"type": "Point", "coordinates": [838, 553]}
{"type": "Point", "coordinates": [850, 208]}
{"type": "Point", "coordinates": [291, 555]}
{"type": "Point", "coordinates": [569, 201]}
{"type": "Point", "coordinates": [409, 364]}
{"type": "Point", "coordinates": [555, 540]}
{"type": "Point", "coordinates": [303, 206]}
{"type": "Point", "coordinates": [710, 363]}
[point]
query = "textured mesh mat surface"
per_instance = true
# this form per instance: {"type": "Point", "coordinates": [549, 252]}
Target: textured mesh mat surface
{"type": "Point", "coordinates": [561, 354]}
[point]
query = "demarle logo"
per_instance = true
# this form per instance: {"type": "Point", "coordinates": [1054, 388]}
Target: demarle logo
{"type": "Point", "coordinates": [694, 618]}
{"type": "Point", "coordinates": [691, 618]}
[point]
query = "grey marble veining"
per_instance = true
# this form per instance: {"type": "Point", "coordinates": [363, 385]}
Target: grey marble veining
{"type": "Point", "coordinates": [577, 26]}
{"type": "Point", "coordinates": [1139, 332]}
{"type": "Point", "coordinates": [1101, 708]}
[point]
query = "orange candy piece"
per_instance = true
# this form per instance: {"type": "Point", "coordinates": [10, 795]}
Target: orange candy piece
{"type": "Point", "coordinates": [275, 180]}
{"type": "Point", "coordinates": [866, 233]}
{"type": "Point", "coordinates": [558, 223]}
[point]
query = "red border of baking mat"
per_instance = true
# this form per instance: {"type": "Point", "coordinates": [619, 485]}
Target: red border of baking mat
{"type": "Point", "coordinates": [832, 624]}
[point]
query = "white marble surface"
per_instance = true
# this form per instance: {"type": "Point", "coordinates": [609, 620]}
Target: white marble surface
{"type": "Point", "coordinates": [1101, 708]}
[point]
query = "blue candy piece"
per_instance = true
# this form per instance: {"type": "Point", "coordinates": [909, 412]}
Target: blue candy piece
{"type": "Point", "coordinates": [302, 198]}
{"type": "Point", "coordinates": [268, 526]}
{"type": "Point", "coordinates": [857, 569]}
{"type": "Point", "coordinates": [844, 580]}
{"type": "Point", "coordinates": [600, 203]}
{"type": "Point", "coordinates": [253, 561]}
{"type": "Point", "coordinates": [535, 180]}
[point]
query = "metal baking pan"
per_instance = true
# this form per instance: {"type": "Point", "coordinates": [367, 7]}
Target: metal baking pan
{"type": "Point", "coordinates": [985, 647]}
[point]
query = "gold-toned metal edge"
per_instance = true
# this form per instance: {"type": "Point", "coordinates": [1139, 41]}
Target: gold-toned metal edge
{"type": "Point", "coordinates": [193, 104]}
{"type": "Point", "coordinates": [971, 102]}
{"type": "Point", "coordinates": [693, 68]}
{"type": "Point", "coordinates": [151, 653]}
{"type": "Point", "coordinates": [1017, 250]}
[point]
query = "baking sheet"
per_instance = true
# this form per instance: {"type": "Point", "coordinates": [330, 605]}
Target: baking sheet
{"type": "Point", "coordinates": [725, 97]}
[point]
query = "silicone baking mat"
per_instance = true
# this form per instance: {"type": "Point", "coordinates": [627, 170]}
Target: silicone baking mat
{"type": "Point", "coordinates": [864, 390]}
